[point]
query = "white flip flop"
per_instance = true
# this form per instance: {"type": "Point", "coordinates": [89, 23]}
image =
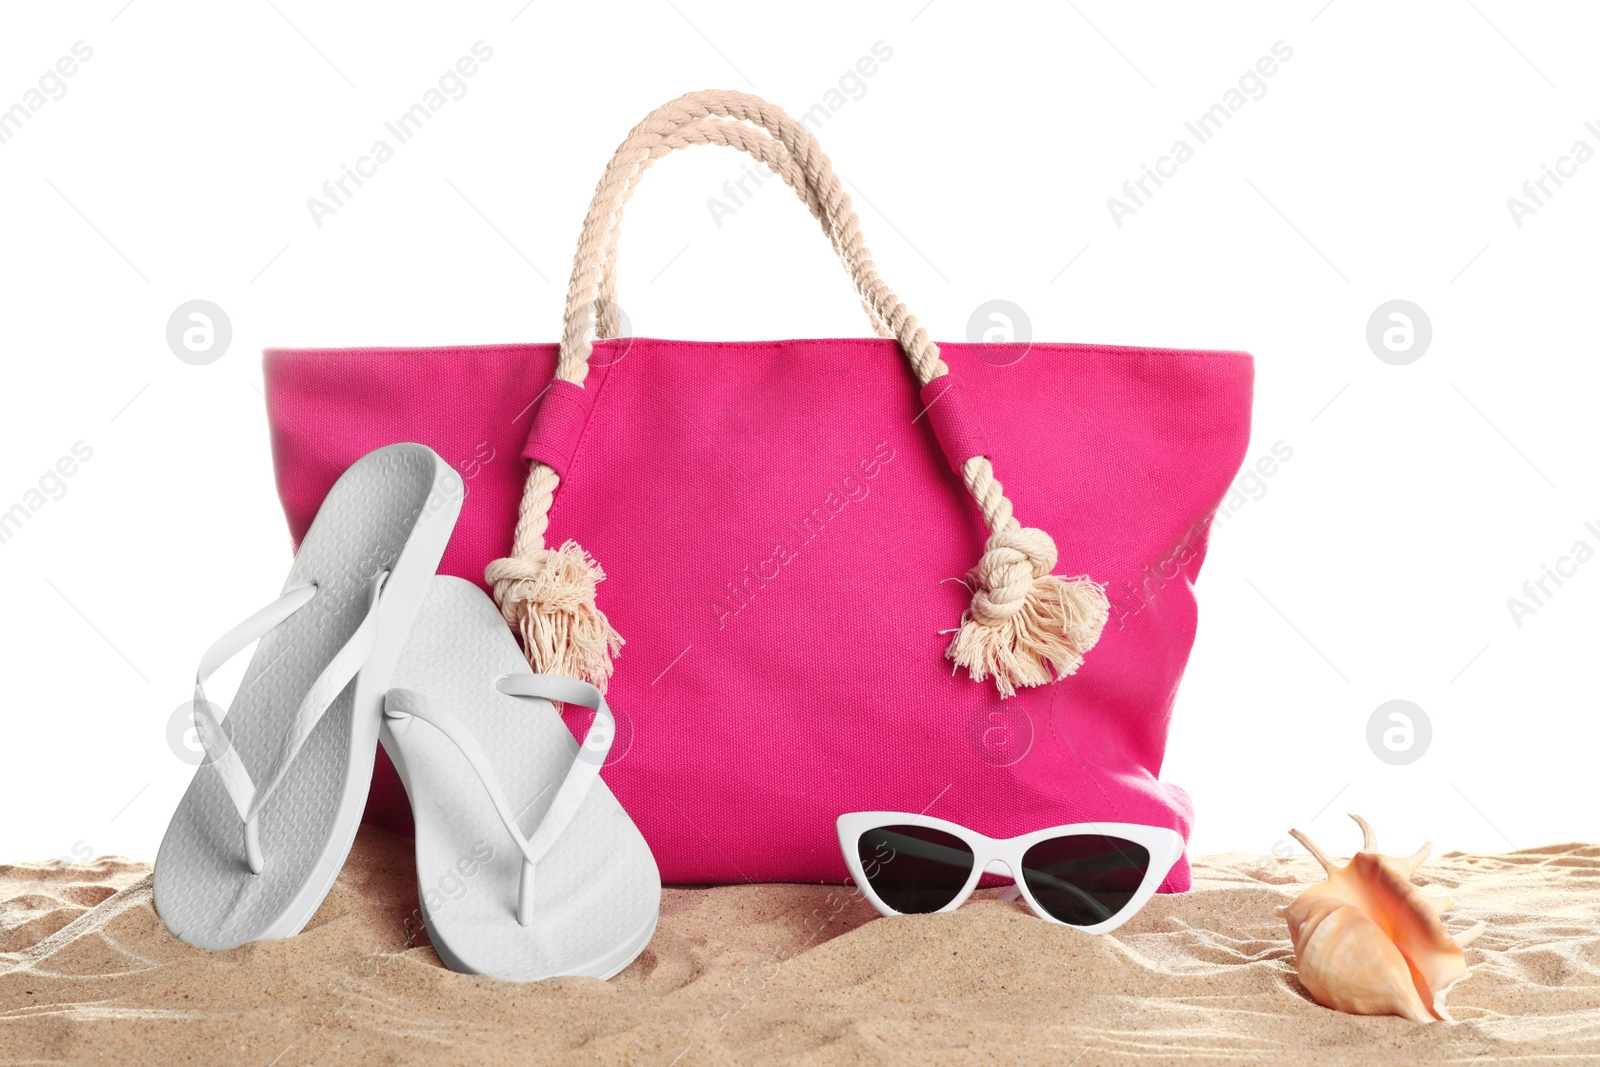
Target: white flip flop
{"type": "Point", "coordinates": [527, 866]}
{"type": "Point", "coordinates": [270, 816]}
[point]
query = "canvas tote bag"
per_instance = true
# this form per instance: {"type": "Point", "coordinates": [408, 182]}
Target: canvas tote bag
{"type": "Point", "coordinates": [815, 576]}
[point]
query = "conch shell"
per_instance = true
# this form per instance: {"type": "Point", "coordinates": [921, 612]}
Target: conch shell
{"type": "Point", "coordinates": [1368, 942]}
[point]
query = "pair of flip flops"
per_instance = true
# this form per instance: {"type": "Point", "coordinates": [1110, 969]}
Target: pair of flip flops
{"type": "Point", "coordinates": [367, 642]}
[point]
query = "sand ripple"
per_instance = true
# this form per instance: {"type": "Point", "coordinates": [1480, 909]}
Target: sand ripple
{"type": "Point", "coordinates": [798, 974]}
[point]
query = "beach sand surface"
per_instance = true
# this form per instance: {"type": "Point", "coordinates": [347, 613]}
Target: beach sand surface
{"type": "Point", "coordinates": [792, 974]}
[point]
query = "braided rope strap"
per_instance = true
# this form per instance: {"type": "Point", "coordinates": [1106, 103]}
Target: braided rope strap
{"type": "Point", "coordinates": [846, 237]}
{"type": "Point", "coordinates": [1025, 625]}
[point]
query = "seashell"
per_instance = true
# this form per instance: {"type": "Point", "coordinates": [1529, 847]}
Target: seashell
{"type": "Point", "coordinates": [1368, 942]}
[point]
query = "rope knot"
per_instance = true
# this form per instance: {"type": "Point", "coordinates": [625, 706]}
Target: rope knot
{"type": "Point", "coordinates": [548, 596]}
{"type": "Point", "coordinates": [1026, 626]}
{"type": "Point", "coordinates": [1011, 561]}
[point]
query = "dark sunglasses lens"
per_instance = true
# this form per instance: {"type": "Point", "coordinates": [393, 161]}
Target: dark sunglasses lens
{"type": "Point", "coordinates": [1084, 880]}
{"type": "Point", "coordinates": [914, 869]}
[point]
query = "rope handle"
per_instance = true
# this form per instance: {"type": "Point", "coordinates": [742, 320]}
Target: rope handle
{"type": "Point", "coordinates": [838, 218]}
{"type": "Point", "coordinates": [846, 239]}
{"type": "Point", "coordinates": [1025, 625]}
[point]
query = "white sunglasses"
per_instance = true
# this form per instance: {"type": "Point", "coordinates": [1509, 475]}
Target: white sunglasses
{"type": "Point", "coordinates": [1094, 876]}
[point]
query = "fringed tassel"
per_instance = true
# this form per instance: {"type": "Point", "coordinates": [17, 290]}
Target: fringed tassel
{"type": "Point", "coordinates": [1025, 622]}
{"type": "Point", "coordinates": [549, 598]}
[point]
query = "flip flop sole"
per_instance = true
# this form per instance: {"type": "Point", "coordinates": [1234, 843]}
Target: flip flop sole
{"type": "Point", "coordinates": [392, 510]}
{"type": "Point", "coordinates": [597, 893]}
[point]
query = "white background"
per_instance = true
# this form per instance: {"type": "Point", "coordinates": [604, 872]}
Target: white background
{"type": "Point", "coordinates": [1376, 565]}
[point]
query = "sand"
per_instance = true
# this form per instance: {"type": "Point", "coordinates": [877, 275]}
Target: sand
{"type": "Point", "coordinates": [785, 973]}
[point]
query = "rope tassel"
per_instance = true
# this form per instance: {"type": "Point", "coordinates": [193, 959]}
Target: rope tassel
{"type": "Point", "coordinates": [548, 596]}
{"type": "Point", "coordinates": [1025, 622]}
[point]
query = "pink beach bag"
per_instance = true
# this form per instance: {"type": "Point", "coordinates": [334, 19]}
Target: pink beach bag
{"type": "Point", "coordinates": [828, 599]}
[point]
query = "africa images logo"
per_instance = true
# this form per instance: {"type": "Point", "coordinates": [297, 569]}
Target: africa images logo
{"type": "Point", "coordinates": [1251, 85]}
{"type": "Point", "coordinates": [737, 593]}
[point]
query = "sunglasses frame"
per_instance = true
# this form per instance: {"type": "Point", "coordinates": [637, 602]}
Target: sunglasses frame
{"type": "Point", "coordinates": [1164, 846]}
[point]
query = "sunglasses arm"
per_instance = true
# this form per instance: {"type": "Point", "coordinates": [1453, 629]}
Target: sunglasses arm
{"type": "Point", "coordinates": [1100, 910]}
{"type": "Point", "coordinates": [927, 850]}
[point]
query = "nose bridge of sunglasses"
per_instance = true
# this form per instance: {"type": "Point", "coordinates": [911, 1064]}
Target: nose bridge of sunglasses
{"type": "Point", "coordinates": [999, 867]}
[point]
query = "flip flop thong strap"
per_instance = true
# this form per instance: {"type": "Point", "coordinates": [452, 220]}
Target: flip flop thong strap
{"type": "Point", "coordinates": [585, 769]}
{"type": "Point", "coordinates": [247, 797]}
{"type": "Point", "coordinates": [580, 777]}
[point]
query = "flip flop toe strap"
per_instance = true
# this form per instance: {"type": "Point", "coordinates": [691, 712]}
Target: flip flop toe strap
{"type": "Point", "coordinates": [581, 776]}
{"type": "Point", "coordinates": [247, 797]}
